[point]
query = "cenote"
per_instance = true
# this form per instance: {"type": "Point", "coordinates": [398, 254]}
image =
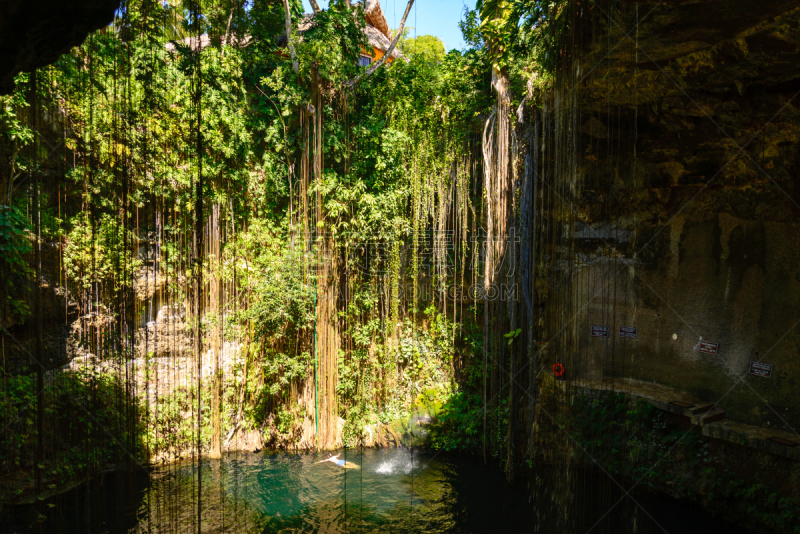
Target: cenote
{"type": "Point", "coordinates": [391, 490]}
{"type": "Point", "coordinates": [525, 265]}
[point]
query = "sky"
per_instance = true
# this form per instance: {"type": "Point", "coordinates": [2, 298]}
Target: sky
{"type": "Point", "coordinates": [428, 17]}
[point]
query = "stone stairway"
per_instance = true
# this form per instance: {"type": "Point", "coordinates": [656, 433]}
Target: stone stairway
{"type": "Point", "coordinates": [708, 416]}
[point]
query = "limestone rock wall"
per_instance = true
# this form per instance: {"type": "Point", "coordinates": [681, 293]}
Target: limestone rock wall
{"type": "Point", "coordinates": [688, 210]}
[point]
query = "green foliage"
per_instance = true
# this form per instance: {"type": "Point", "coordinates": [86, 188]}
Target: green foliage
{"type": "Point", "coordinates": [15, 133]}
{"type": "Point", "coordinates": [278, 279]}
{"type": "Point", "coordinates": [355, 426]}
{"type": "Point", "coordinates": [428, 48]}
{"type": "Point", "coordinates": [511, 336]}
{"type": "Point", "coordinates": [638, 441]}
{"type": "Point", "coordinates": [281, 293]}
{"type": "Point", "coordinates": [99, 251]}
{"type": "Point", "coordinates": [497, 29]}
{"type": "Point", "coordinates": [753, 501]}
{"type": "Point", "coordinates": [12, 127]}
{"type": "Point", "coordinates": [170, 424]}
{"type": "Point", "coordinates": [286, 420]}
{"type": "Point", "coordinates": [424, 352]}
{"type": "Point", "coordinates": [19, 410]}
{"type": "Point", "coordinates": [543, 32]}
{"type": "Point", "coordinates": [333, 44]}
{"type": "Point", "coordinates": [459, 424]}
{"type": "Point", "coordinates": [280, 370]}
{"type": "Point", "coordinates": [81, 407]}
{"type": "Point", "coordinates": [393, 147]}
{"type": "Point", "coordinates": [14, 268]}
{"type": "Point", "coordinates": [470, 26]}
{"type": "Point", "coordinates": [629, 437]}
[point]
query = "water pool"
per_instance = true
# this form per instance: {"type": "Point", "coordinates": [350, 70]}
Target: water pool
{"type": "Point", "coordinates": [391, 490]}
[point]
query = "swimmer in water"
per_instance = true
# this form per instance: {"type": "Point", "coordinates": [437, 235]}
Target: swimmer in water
{"type": "Point", "coordinates": [339, 462]}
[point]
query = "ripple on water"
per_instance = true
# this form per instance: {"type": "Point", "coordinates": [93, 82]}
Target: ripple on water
{"type": "Point", "coordinates": [394, 491]}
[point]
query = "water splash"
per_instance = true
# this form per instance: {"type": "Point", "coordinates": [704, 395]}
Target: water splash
{"type": "Point", "coordinates": [400, 462]}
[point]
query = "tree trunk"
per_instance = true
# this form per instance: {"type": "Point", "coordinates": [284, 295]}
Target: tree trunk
{"type": "Point", "coordinates": [216, 334]}
{"type": "Point", "coordinates": [488, 152]}
{"type": "Point", "coordinates": [288, 14]}
{"type": "Point", "coordinates": [504, 213]}
{"type": "Point", "coordinates": [499, 357]}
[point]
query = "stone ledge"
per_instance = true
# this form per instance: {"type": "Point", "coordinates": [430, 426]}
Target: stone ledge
{"type": "Point", "coordinates": [755, 437]}
{"type": "Point", "coordinates": [703, 414]}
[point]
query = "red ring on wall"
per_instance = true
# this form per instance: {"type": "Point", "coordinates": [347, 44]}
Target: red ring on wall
{"type": "Point", "coordinates": [558, 369]}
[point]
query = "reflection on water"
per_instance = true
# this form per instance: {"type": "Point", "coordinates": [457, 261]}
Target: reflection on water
{"type": "Point", "coordinates": [392, 491]}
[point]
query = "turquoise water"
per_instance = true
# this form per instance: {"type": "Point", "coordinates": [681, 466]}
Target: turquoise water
{"type": "Point", "coordinates": [393, 490]}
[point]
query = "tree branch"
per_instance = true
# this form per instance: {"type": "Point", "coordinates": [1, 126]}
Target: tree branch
{"type": "Point", "coordinates": [289, 34]}
{"type": "Point", "coordinates": [375, 66]}
{"type": "Point", "coordinates": [314, 6]}
{"type": "Point", "coordinates": [227, 32]}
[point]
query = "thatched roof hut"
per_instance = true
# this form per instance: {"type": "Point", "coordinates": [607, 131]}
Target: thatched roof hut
{"type": "Point", "coordinates": [377, 30]}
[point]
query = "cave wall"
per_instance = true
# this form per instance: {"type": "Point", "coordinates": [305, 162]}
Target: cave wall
{"type": "Point", "coordinates": [689, 201]}
{"type": "Point", "coordinates": [35, 33]}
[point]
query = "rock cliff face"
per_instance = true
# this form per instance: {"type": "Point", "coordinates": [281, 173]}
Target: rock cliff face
{"type": "Point", "coordinates": [688, 202]}
{"type": "Point", "coordinates": [35, 34]}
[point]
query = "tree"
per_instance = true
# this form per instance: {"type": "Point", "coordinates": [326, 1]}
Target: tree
{"type": "Point", "coordinates": [496, 24]}
{"type": "Point", "coordinates": [427, 47]}
{"type": "Point", "coordinates": [470, 26]}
